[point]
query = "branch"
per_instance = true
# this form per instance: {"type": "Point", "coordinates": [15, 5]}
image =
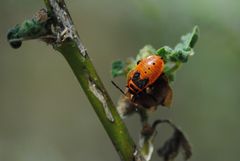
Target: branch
{"type": "Point", "coordinates": [76, 55]}
{"type": "Point", "coordinates": [55, 27]}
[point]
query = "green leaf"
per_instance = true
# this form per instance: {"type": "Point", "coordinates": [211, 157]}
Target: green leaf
{"type": "Point", "coordinates": [118, 68]}
{"type": "Point", "coordinates": [182, 50]}
{"type": "Point", "coordinates": [165, 52]}
{"type": "Point", "coordinates": [145, 52]}
{"type": "Point", "coordinates": [188, 40]}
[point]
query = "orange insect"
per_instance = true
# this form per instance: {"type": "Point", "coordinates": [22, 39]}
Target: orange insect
{"type": "Point", "coordinates": [145, 74]}
{"type": "Point", "coordinates": [146, 85]}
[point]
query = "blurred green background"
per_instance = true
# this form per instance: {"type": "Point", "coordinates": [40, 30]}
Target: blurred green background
{"type": "Point", "coordinates": [45, 116]}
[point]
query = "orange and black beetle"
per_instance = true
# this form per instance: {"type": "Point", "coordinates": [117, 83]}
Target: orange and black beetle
{"type": "Point", "coordinates": [144, 74]}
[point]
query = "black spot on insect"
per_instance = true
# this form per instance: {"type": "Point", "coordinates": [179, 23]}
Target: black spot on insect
{"type": "Point", "coordinates": [136, 76]}
{"type": "Point", "coordinates": [145, 72]}
{"type": "Point", "coordinates": [138, 62]}
{"type": "Point", "coordinates": [142, 83]}
{"type": "Point", "coordinates": [148, 68]}
{"type": "Point", "coordinates": [153, 63]}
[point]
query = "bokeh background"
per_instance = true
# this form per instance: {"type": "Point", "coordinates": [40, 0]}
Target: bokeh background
{"type": "Point", "coordinates": [45, 116]}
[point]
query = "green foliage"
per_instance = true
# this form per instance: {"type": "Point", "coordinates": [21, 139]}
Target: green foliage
{"type": "Point", "coordinates": [145, 52]}
{"type": "Point", "coordinates": [117, 68]}
{"type": "Point", "coordinates": [29, 29]}
{"type": "Point", "coordinates": [182, 50]}
{"type": "Point", "coordinates": [173, 58]}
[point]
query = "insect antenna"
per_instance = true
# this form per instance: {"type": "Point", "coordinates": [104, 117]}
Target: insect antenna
{"type": "Point", "coordinates": [118, 87]}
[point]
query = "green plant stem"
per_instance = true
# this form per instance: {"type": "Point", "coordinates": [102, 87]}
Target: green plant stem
{"type": "Point", "coordinates": [86, 74]}
{"type": "Point", "coordinates": [87, 77]}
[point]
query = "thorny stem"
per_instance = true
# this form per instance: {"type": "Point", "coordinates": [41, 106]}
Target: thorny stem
{"type": "Point", "coordinates": [76, 55]}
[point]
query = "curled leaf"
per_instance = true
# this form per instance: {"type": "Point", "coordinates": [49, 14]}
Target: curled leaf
{"type": "Point", "coordinates": [172, 147]}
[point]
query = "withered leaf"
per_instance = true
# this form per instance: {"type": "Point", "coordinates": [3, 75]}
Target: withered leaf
{"type": "Point", "coordinates": [171, 148]}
